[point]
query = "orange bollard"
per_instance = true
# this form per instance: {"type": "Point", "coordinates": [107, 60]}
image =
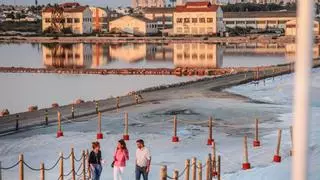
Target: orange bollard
{"type": "Point", "coordinates": [246, 165]}
{"type": "Point", "coordinates": [256, 142]}
{"type": "Point", "coordinates": [59, 132]}
{"type": "Point", "coordinates": [277, 157]}
{"type": "Point", "coordinates": [210, 139]}
{"type": "Point", "coordinates": [175, 138]}
{"type": "Point", "coordinates": [99, 134]}
{"type": "Point", "coordinates": [126, 128]}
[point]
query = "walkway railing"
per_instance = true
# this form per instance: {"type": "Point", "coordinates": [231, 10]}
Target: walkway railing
{"type": "Point", "coordinates": [79, 171]}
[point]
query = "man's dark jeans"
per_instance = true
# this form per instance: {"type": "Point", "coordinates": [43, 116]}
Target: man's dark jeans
{"type": "Point", "coordinates": [141, 171]}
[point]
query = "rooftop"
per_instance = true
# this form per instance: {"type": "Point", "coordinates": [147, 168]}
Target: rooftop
{"type": "Point", "coordinates": [136, 17]}
{"type": "Point", "coordinates": [67, 7]}
{"type": "Point", "coordinates": [259, 14]}
{"type": "Point", "coordinates": [158, 10]}
{"type": "Point", "coordinates": [202, 6]}
{"type": "Point", "coordinates": [71, 10]}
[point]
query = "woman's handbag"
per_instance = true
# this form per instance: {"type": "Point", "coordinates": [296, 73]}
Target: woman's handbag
{"type": "Point", "coordinates": [112, 164]}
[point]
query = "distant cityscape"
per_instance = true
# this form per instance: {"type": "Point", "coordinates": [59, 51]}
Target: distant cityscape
{"type": "Point", "coordinates": [159, 18]}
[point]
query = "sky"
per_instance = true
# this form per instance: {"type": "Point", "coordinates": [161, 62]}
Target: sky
{"type": "Point", "coordinates": [102, 3]}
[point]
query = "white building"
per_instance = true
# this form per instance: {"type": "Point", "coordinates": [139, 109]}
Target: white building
{"type": "Point", "coordinates": [258, 20]}
{"type": "Point", "coordinates": [133, 25]}
{"type": "Point", "coordinates": [77, 18]}
{"type": "Point", "coordinates": [197, 18]}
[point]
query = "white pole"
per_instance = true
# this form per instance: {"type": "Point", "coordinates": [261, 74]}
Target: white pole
{"type": "Point", "coordinates": [302, 81]}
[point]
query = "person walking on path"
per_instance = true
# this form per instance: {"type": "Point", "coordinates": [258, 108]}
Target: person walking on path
{"type": "Point", "coordinates": [143, 160]}
{"type": "Point", "coordinates": [120, 156]}
{"type": "Point", "coordinates": [95, 161]}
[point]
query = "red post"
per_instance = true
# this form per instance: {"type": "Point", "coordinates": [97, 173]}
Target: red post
{"type": "Point", "coordinates": [99, 134]}
{"type": "Point", "coordinates": [210, 139]}
{"type": "Point", "coordinates": [246, 165]}
{"type": "Point", "coordinates": [277, 157]}
{"type": "Point", "coordinates": [256, 142]}
{"type": "Point", "coordinates": [59, 132]}
{"type": "Point", "coordinates": [175, 138]}
{"type": "Point", "coordinates": [126, 128]}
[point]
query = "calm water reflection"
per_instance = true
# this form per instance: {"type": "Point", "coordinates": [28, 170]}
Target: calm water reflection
{"type": "Point", "coordinates": [130, 55]}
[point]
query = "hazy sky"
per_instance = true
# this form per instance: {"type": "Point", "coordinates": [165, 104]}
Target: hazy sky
{"type": "Point", "coordinates": [103, 3]}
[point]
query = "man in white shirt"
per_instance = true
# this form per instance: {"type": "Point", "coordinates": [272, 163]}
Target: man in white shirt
{"type": "Point", "coordinates": [143, 160]}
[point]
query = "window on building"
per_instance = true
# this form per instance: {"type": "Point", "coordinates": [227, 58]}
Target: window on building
{"type": "Point", "coordinates": [261, 22]}
{"type": "Point", "coordinates": [76, 20]}
{"type": "Point", "coordinates": [202, 30]}
{"type": "Point", "coordinates": [202, 20]}
{"type": "Point", "coordinates": [194, 30]}
{"type": "Point", "coordinates": [194, 20]}
{"type": "Point", "coordinates": [229, 22]}
{"type": "Point", "coordinates": [187, 56]}
{"type": "Point", "coordinates": [69, 20]}
{"type": "Point", "coordinates": [209, 30]}
{"type": "Point", "coordinates": [209, 20]}
{"type": "Point", "coordinates": [47, 20]}
{"type": "Point", "coordinates": [272, 22]}
{"type": "Point", "coordinates": [250, 22]}
{"type": "Point", "coordinates": [194, 56]}
{"type": "Point", "coordinates": [179, 56]}
{"type": "Point", "coordinates": [209, 56]}
{"type": "Point", "coordinates": [241, 22]}
{"type": "Point", "coordinates": [186, 20]}
{"type": "Point", "coordinates": [186, 30]}
{"type": "Point", "coordinates": [179, 29]}
{"type": "Point", "coordinates": [179, 20]}
{"type": "Point", "coordinates": [202, 56]}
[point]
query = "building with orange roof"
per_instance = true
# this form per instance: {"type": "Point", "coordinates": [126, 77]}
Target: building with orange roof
{"type": "Point", "coordinates": [71, 16]}
{"type": "Point", "coordinates": [197, 18]}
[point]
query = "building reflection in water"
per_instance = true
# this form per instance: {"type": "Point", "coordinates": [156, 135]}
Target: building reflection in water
{"type": "Point", "coordinates": [291, 51]}
{"type": "Point", "coordinates": [82, 55]}
{"type": "Point", "coordinates": [254, 49]}
{"type": "Point", "coordinates": [128, 52]}
{"type": "Point", "coordinates": [274, 49]}
{"type": "Point", "coordinates": [67, 55]}
{"type": "Point", "coordinates": [197, 55]}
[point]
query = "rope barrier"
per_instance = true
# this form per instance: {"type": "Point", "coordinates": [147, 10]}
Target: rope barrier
{"type": "Point", "coordinates": [76, 172]}
{"type": "Point", "coordinates": [10, 167]}
{"type": "Point", "coordinates": [31, 168]}
{"type": "Point", "coordinates": [49, 169]}
{"type": "Point", "coordinates": [68, 157]}
{"type": "Point", "coordinates": [65, 175]}
{"type": "Point", "coordinates": [182, 173]}
{"type": "Point", "coordinates": [202, 166]}
{"type": "Point", "coordinates": [78, 160]}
